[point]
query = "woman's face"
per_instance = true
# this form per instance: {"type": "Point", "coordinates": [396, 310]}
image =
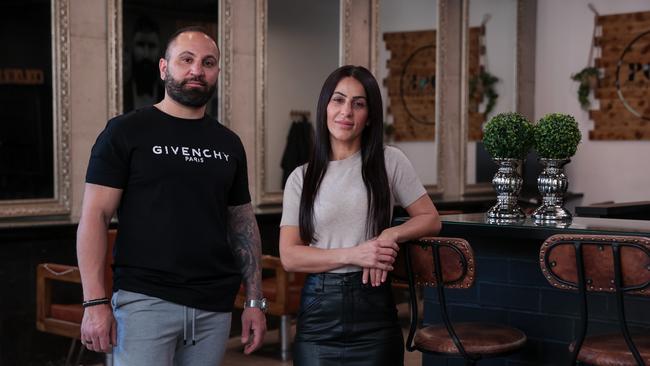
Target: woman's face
{"type": "Point", "coordinates": [347, 113]}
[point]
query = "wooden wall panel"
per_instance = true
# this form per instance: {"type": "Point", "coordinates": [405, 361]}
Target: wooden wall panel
{"type": "Point", "coordinates": [414, 116]}
{"type": "Point", "coordinates": [412, 66]}
{"type": "Point", "coordinates": [613, 121]}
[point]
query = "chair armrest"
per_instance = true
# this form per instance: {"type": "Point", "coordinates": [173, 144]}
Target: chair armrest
{"type": "Point", "coordinates": [58, 272]}
{"type": "Point", "coordinates": [45, 274]}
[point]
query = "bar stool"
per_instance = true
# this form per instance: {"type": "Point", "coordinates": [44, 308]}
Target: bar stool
{"type": "Point", "coordinates": [433, 261]}
{"type": "Point", "coordinates": [614, 265]}
{"type": "Point", "coordinates": [65, 319]}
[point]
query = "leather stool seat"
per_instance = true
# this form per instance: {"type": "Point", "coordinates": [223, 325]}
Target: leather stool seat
{"type": "Point", "coordinates": [616, 267]}
{"type": "Point", "coordinates": [477, 338]}
{"type": "Point", "coordinates": [611, 350]}
{"type": "Point", "coordinates": [437, 262]}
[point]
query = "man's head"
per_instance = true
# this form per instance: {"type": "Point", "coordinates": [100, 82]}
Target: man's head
{"type": "Point", "coordinates": [190, 67]}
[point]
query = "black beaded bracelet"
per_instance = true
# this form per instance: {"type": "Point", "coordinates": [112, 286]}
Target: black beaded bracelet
{"type": "Point", "coordinates": [94, 302]}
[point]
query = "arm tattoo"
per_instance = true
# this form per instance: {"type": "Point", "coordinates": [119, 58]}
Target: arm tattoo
{"type": "Point", "coordinates": [244, 239]}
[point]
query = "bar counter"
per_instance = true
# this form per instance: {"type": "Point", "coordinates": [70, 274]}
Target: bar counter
{"type": "Point", "coordinates": [454, 225]}
{"type": "Point", "coordinates": [510, 288]}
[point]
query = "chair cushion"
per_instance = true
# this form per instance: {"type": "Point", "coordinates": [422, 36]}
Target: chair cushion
{"type": "Point", "coordinates": [68, 312]}
{"type": "Point", "coordinates": [611, 349]}
{"type": "Point", "coordinates": [477, 338]}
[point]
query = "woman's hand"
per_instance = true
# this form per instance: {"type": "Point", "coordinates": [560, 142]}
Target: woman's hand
{"type": "Point", "coordinates": [376, 276]}
{"type": "Point", "coordinates": [377, 272]}
{"type": "Point", "coordinates": [375, 253]}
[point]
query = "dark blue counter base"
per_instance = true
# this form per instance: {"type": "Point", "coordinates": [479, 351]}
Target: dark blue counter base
{"type": "Point", "coordinates": [510, 289]}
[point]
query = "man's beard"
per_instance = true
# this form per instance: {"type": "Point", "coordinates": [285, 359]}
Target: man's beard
{"type": "Point", "coordinates": [190, 97]}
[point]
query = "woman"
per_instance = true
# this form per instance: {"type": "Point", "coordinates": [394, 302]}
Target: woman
{"type": "Point", "coordinates": [336, 226]}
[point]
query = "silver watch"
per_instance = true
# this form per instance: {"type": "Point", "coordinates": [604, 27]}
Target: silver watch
{"type": "Point", "coordinates": [261, 304]}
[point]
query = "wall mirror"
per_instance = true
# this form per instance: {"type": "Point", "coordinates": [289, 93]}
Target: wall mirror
{"type": "Point", "coordinates": [490, 65]}
{"type": "Point", "coordinates": [35, 104]}
{"type": "Point", "coordinates": [138, 32]}
{"type": "Point", "coordinates": [298, 47]}
{"type": "Point", "coordinates": [406, 72]}
{"type": "Point", "coordinates": [498, 53]}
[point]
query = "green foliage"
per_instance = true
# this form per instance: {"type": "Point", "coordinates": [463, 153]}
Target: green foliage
{"type": "Point", "coordinates": [508, 136]}
{"type": "Point", "coordinates": [483, 83]}
{"type": "Point", "coordinates": [557, 136]}
{"type": "Point", "coordinates": [588, 78]}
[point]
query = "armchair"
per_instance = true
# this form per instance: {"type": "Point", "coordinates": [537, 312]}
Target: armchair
{"type": "Point", "coordinates": [65, 319]}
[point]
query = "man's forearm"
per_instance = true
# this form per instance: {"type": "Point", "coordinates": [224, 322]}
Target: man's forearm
{"type": "Point", "coordinates": [91, 256]}
{"type": "Point", "coordinates": [247, 248]}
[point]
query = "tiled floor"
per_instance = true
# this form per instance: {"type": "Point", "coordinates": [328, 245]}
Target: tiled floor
{"type": "Point", "coordinates": [269, 354]}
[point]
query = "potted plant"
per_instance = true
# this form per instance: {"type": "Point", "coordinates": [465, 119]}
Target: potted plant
{"type": "Point", "coordinates": [556, 140]}
{"type": "Point", "coordinates": [507, 138]}
{"type": "Point", "coordinates": [588, 79]}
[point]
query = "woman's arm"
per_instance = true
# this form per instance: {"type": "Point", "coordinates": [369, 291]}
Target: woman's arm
{"type": "Point", "coordinates": [296, 256]}
{"type": "Point", "coordinates": [424, 221]}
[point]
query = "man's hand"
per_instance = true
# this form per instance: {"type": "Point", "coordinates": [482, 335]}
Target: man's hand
{"type": "Point", "coordinates": [98, 329]}
{"type": "Point", "coordinates": [253, 328]}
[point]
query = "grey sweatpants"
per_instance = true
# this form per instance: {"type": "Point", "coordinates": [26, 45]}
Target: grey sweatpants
{"type": "Point", "coordinates": [151, 331]}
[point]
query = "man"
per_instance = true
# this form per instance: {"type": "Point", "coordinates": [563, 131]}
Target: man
{"type": "Point", "coordinates": [143, 87]}
{"type": "Point", "coordinates": [187, 233]}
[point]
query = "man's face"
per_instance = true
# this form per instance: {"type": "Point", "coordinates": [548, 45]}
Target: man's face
{"type": "Point", "coordinates": [146, 46]}
{"type": "Point", "coordinates": [191, 70]}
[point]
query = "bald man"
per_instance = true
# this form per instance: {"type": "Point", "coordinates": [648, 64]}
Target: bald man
{"type": "Point", "coordinates": [187, 234]}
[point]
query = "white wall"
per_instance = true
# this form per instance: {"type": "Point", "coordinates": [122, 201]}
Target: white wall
{"type": "Point", "coordinates": [401, 16]}
{"type": "Point", "coordinates": [303, 49]}
{"type": "Point", "coordinates": [603, 170]}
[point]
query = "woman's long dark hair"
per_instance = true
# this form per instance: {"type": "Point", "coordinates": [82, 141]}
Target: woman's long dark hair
{"type": "Point", "coordinates": [373, 168]}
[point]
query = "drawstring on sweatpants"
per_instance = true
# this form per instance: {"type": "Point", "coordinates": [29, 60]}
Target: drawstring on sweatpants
{"type": "Point", "coordinates": [185, 326]}
{"type": "Point", "coordinates": [193, 326]}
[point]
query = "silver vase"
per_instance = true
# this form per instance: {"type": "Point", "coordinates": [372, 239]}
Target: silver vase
{"type": "Point", "coordinates": [552, 184]}
{"type": "Point", "coordinates": [507, 184]}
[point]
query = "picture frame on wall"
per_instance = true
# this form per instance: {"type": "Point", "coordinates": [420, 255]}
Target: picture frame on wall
{"type": "Point", "coordinates": [146, 27]}
{"type": "Point", "coordinates": [34, 99]}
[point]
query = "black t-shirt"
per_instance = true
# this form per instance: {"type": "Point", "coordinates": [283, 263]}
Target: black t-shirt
{"type": "Point", "coordinates": [178, 178]}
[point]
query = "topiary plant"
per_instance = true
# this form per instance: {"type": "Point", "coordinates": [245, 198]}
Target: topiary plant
{"type": "Point", "coordinates": [508, 136]}
{"type": "Point", "coordinates": [557, 136]}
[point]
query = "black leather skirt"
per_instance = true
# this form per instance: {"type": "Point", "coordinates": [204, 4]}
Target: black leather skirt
{"type": "Point", "coordinates": [344, 322]}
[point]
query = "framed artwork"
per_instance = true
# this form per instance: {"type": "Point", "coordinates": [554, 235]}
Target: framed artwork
{"type": "Point", "coordinates": [146, 26]}
{"type": "Point", "coordinates": [34, 92]}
